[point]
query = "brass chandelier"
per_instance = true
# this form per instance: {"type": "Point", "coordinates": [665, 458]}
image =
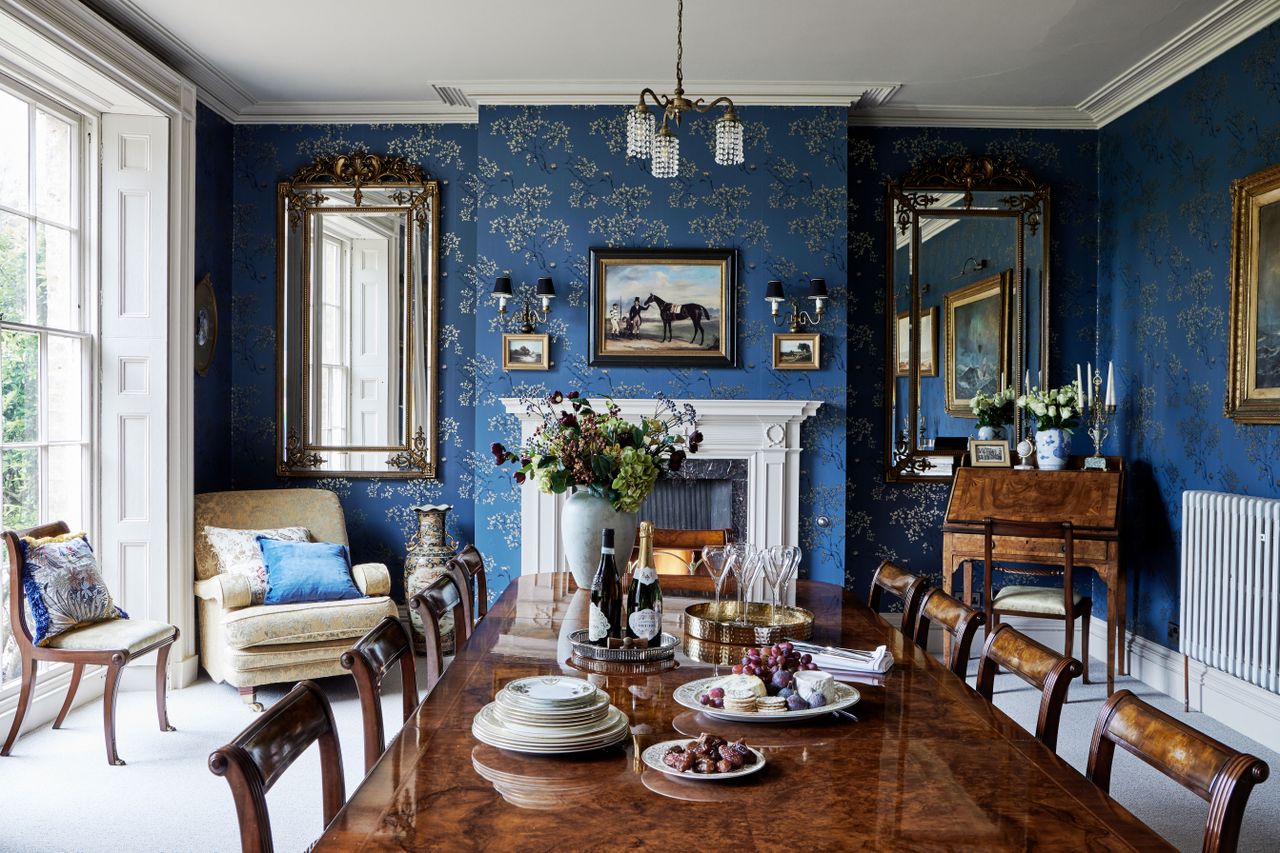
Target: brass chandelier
{"type": "Point", "coordinates": [646, 139]}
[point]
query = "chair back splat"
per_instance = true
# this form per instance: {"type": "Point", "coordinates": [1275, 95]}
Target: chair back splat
{"type": "Point", "coordinates": [889, 577]}
{"type": "Point", "coordinates": [1036, 664]}
{"type": "Point", "coordinates": [369, 660]}
{"type": "Point", "coordinates": [438, 598]}
{"type": "Point", "coordinates": [959, 621]}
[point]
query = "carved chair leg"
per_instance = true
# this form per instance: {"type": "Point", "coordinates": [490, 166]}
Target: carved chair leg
{"type": "Point", "coordinates": [162, 682]}
{"type": "Point", "coordinates": [114, 670]}
{"type": "Point", "coordinates": [250, 697]}
{"type": "Point", "coordinates": [1084, 645]}
{"type": "Point", "coordinates": [24, 702]}
{"type": "Point", "coordinates": [76, 671]}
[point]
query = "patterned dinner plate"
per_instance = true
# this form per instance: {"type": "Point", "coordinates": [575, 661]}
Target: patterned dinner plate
{"type": "Point", "coordinates": [552, 692]}
{"type": "Point", "coordinates": [653, 758]}
{"type": "Point", "coordinates": [690, 693]}
{"type": "Point", "coordinates": [487, 718]}
{"type": "Point", "coordinates": [517, 705]}
{"type": "Point", "coordinates": [614, 731]}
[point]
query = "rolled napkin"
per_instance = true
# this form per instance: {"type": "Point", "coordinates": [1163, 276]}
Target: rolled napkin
{"type": "Point", "coordinates": [837, 661]}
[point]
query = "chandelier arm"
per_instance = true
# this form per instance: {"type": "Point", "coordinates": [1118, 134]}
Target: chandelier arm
{"type": "Point", "coordinates": [658, 101]}
{"type": "Point", "coordinates": [723, 100]}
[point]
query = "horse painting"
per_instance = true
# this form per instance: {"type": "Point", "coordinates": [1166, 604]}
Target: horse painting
{"type": "Point", "coordinates": [670, 312]}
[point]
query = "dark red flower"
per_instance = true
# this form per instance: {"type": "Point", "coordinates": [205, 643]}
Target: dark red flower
{"type": "Point", "coordinates": [499, 453]}
{"type": "Point", "coordinates": [519, 475]}
{"type": "Point", "coordinates": [694, 441]}
{"type": "Point", "coordinates": [556, 398]}
{"type": "Point", "coordinates": [676, 461]}
{"type": "Point", "coordinates": [572, 395]}
{"type": "Point", "coordinates": [568, 420]}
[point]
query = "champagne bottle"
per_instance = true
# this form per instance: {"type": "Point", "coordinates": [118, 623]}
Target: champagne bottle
{"type": "Point", "coordinates": [644, 598]}
{"type": "Point", "coordinates": [605, 620]}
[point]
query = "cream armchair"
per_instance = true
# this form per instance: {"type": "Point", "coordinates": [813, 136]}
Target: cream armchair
{"type": "Point", "coordinates": [246, 645]}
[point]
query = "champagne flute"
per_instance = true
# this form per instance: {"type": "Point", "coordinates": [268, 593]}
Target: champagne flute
{"type": "Point", "coordinates": [751, 566]}
{"type": "Point", "coordinates": [787, 566]}
{"type": "Point", "coordinates": [770, 564]}
{"type": "Point", "coordinates": [739, 552]}
{"type": "Point", "coordinates": [717, 559]}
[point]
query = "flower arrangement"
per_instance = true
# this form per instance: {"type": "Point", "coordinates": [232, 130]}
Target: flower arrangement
{"type": "Point", "coordinates": [577, 446]}
{"type": "Point", "coordinates": [1053, 408]}
{"type": "Point", "coordinates": [993, 410]}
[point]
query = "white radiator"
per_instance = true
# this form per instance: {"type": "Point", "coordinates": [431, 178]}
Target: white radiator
{"type": "Point", "coordinates": [1231, 585]}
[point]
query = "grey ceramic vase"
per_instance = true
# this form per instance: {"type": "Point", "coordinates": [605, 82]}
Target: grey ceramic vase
{"type": "Point", "coordinates": [425, 558]}
{"type": "Point", "coordinates": [582, 518]}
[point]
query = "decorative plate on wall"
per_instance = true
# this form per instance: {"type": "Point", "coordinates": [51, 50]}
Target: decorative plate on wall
{"type": "Point", "coordinates": [206, 337]}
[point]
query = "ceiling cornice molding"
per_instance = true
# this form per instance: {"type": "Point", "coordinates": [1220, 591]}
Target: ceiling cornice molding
{"type": "Point", "coordinates": [1210, 37]}
{"type": "Point", "coordinates": [798, 93]}
{"type": "Point", "coordinates": [1062, 118]}
{"type": "Point", "coordinates": [355, 112]}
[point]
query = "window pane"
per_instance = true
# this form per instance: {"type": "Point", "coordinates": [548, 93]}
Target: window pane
{"type": "Point", "coordinates": [19, 386]}
{"type": "Point", "coordinates": [65, 389]}
{"type": "Point", "coordinates": [66, 484]}
{"type": "Point", "coordinates": [55, 295]}
{"type": "Point", "coordinates": [13, 266]}
{"type": "Point", "coordinates": [19, 488]}
{"type": "Point", "coordinates": [53, 167]}
{"type": "Point", "coordinates": [13, 152]}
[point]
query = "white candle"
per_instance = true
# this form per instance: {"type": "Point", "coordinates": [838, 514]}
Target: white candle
{"type": "Point", "coordinates": [1089, 387]}
{"type": "Point", "coordinates": [1111, 391]}
{"type": "Point", "coordinates": [1002, 381]}
{"type": "Point", "coordinates": [1079, 382]}
{"type": "Point", "coordinates": [1026, 382]}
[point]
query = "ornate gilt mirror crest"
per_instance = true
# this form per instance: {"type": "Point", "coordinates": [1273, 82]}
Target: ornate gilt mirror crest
{"type": "Point", "coordinates": [967, 310]}
{"type": "Point", "coordinates": [357, 244]}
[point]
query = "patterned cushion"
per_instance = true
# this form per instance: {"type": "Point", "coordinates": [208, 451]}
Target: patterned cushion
{"type": "Point", "coordinates": [238, 552]}
{"type": "Point", "coordinates": [313, 622]}
{"type": "Point", "coordinates": [63, 585]}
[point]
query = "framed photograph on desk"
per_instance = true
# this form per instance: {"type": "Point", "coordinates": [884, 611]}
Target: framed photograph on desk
{"type": "Point", "coordinates": [989, 454]}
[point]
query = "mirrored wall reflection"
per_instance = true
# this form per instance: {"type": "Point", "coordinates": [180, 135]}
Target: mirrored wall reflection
{"type": "Point", "coordinates": [966, 273]}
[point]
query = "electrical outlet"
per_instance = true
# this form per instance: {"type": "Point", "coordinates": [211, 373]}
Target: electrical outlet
{"type": "Point", "coordinates": [1173, 632]}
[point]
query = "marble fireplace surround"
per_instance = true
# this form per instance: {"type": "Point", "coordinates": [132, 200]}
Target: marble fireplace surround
{"type": "Point", "coordinates": [764, 433]}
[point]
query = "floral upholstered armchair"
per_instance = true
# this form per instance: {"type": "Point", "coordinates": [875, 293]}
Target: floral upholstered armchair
{"type": "Point", "coordinates": [247, 644]}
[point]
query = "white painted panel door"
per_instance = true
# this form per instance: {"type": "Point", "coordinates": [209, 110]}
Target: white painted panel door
{"type": "Point", "coordinates": [134, 378]}
{"type": "Point", "coordinates": [371, 418]}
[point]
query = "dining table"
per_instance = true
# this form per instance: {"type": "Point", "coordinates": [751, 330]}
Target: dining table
{"type": "Point", "coordinates": [923, 763]}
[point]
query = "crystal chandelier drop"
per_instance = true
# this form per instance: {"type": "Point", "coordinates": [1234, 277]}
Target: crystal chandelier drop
{"type": "Point", "coordinates": [646, 139]}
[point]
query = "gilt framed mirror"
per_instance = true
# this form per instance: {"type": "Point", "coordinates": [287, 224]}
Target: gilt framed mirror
{"type": "Point", "coordinates": [967, 251]}
{"type": "Point", "coordinates": [357, 245]}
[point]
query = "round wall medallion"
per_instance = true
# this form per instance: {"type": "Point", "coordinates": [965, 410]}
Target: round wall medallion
{"type": "Point", "coordinates": [206, 337]}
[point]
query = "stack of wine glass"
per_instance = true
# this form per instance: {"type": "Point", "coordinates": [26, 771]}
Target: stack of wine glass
{"type": "Point", "coordinates": [550, 714]}
{"type": "Point", "coordinates": [748, 564]}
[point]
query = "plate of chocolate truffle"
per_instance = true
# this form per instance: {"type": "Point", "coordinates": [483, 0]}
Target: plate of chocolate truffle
{"type": "Point", "coordinates": [709, 758]}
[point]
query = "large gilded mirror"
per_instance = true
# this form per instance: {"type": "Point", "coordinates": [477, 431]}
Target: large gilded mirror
{"type": "Point", "coordinates": [967, 290]}
{"type": "Point", "coordinates": [358, 238]}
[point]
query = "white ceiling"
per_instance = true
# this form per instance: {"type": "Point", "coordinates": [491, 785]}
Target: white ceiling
{"type": "Point", "coordinates": [992, 57]}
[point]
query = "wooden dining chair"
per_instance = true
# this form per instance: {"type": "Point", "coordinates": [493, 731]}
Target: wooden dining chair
{"type": "Point", "coordinates": [468, 567]}
{"type": "Point", "coordinates": [111, 644]}
{"type": "Point", "coordinates": [679, 552]}
{"type": "Point", "coordinates": [368, 661]}
{"type": "Point", "coordinates": [960, 622]}
{"type": "Point", "coordinates": [889, 577]}
{"type": "Point", "coordinates": [1061, 603]}
{"type": "Point", "coordinates": [1036, 664]}
{"type": "Point", "coordinates": [1209, 768]}
{"type": "Point", "coordinates": [256, 758]}
{"type": "Point", "coordinates": [438, 598]}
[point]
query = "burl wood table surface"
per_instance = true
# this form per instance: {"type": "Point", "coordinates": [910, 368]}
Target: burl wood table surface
{"type": "Point", "coordinates": [929, 766]}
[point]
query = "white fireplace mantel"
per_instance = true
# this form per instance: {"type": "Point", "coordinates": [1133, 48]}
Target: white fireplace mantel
{"type": "Point", "coordinates": [766, 433]}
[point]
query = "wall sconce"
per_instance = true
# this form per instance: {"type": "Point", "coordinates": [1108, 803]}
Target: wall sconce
{"type": "Point", "coordinates": [979, 264]}
{"type": "Point", "coordinates": [798, 319]}
{"type": "Point", "coordinates": [528, 316]}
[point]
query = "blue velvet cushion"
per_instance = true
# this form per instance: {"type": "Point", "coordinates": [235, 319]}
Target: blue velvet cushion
{"type": "Point", "coordinates": [298, 572]}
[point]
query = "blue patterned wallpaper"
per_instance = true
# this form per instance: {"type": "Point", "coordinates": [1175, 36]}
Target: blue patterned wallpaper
{"type": "Point", "coordinates": [1165, 176]}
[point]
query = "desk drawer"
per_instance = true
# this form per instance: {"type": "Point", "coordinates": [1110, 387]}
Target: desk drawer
{"type": "Point", "coordinates": [1007, 547]}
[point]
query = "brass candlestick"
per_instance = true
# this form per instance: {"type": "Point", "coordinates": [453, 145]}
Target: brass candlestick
{"type": "Point", "coordinates": [1099, 413]}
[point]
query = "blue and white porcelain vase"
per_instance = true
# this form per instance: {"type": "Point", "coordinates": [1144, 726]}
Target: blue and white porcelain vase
{"type": "Point", "coordinates": [1053, 447]}
{"type": "Point", "coordinates": [988, 433]}
{"type": "Point", "coordinates": [582, 518]}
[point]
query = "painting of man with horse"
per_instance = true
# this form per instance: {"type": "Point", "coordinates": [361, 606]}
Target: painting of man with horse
{"type": "Point", "coordinates": [653, 306]}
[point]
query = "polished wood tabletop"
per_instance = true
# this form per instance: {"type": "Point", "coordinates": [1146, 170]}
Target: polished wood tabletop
{"type": "Point", "coordinates": [929, 765]}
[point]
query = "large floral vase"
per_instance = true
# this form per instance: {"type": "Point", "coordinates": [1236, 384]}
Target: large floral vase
{"type": "Point", "coordinates": [582, 518]}
{"type": "Point", "coordinates": [1053, 447]}
{"type": "Point", "coordinates": [425, 559]}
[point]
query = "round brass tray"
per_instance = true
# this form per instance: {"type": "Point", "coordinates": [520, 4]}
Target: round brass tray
{"type": "Point", "coordinates": [764, 623]}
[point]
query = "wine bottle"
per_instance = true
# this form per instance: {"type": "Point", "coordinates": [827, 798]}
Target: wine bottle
{"type": "Point", "coordinates": [605, 620]}
{"type": "Point", "coordinates": [644, 598]}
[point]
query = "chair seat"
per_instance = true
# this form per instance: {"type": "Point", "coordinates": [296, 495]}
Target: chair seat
{"type": "Point", "coordinates": [1033, 599]}
{"type": "Point", "coordinates": [131, 634]}
{"type": "Point", "coordinates": [312, 622]}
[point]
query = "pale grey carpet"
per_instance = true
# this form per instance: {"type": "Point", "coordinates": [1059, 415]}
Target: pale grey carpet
{"type": "Point", "coordinates": [58, 794]}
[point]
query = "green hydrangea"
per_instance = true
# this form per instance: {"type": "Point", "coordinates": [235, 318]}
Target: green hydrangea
{"type": "Point", "coordinates": [637, 473]}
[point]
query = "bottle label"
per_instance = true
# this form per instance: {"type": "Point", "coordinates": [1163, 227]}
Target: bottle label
{"type": "Point", "coordinates": [606, 550]}
{"type": "Point", "coordinates": [645, 574]}
{"type": "Point", "coordinates": [644, 623]}
{"type": "Point", "coordinates": [597, 624]}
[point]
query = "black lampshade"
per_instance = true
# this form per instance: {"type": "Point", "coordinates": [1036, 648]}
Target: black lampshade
{"type": "Point", "coordinates": [773, 290]}
{"type": "Point", "coordinates": [546, 287]}
{"type": "Point", "coordinates": [502, 287]}
{"type": "Point", "coordinates": [818, 287]}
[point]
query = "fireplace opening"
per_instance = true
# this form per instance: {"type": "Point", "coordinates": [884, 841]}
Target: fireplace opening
{"type": "Point", "coordinates": [707, 494]}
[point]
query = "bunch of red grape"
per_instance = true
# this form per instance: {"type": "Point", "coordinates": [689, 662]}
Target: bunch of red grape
{"type": "Point", "coordinates": [774, 665]}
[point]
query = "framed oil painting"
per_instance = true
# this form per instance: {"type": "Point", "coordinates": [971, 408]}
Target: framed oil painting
{"type": "Point", "coordinates": [663, 307]}
{"type": "Point", "coordinates": [1253, 358]}
{"type": "Point", "coordinates": [928, 342]}
{"type": "Point", "coordinates": [797, 351]}
{"type": "Point", "coordinates": [977, 341]}
{"type": "Point", "coordinates": [526, 352]}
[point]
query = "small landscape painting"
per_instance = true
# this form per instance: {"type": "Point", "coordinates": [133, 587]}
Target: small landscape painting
{"type": "Point", "coordinates": [976, 346]}
{"type": "Point", "coordinates": [663, 306]}
{"type": "Point", "coordinates": [796, 351]}
{"type": "Point", "coordinates": [525, 352]}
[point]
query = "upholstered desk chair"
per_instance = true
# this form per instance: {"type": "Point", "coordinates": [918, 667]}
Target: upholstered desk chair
{"type": "Point", "coordinates": [247, 645]}
{"type": "Point", "coordinates": [111, 644]}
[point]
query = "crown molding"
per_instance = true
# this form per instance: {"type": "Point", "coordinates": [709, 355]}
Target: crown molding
{"type": "Point", "coordinates": [1071, 118]}
{"type": "Point", "coordinates": [354, 112]}
{"type": "Point", "coordinates": [1210, 37]}
{"type": "Point", "coordinates": [797, 93]}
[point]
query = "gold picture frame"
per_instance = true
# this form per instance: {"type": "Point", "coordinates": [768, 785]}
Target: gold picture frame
{"type": "Point", "coordinates": [533, 353]}
{"type": "Point", "coordinates": [1253, 353]}
{"type": "Point", "coordinates": [797, 351]}
{"type": "Point", "coordinates": [989, 453]}
{"type": "Point", "coordinates": [968, 321]}
{"type": "Point", "coordinates": [928, 343]}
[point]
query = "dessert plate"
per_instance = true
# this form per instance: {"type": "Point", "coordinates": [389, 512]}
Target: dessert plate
{"type": "Point", "coordinates": [551, 692]}
{"type": "Point", "coordinates": [517, 706]}
{"type": "Point", "coordinates": [688, 696]}
{"type": "Point", "coordinates": [653, 758]}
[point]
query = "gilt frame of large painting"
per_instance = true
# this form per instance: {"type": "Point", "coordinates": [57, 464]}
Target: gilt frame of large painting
{"type": "Point", "coordinates": [977, 340]}
{"type": "Point", "coordinates": [671, 307]}
{"type": "Point", "coordinates": [1253, 358]}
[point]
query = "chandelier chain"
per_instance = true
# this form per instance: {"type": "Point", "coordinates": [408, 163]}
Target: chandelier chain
{"type": "Point", "coordinates": [679, 47]}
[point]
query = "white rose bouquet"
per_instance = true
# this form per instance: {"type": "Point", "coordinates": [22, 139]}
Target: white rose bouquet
{"type": "Point", "coordinates": [993, 410]}
{"type": "Point", "coordinates": [1053, 408]}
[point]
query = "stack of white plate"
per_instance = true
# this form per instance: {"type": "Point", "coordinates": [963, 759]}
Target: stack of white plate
{"type": "Point", "coordinates": [550, 714]}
